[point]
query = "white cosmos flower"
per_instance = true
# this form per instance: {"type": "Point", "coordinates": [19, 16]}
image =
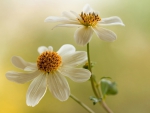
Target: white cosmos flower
{"type": "Point", "coordinates": [87, 22]}
{"type": "Point", "coordinates": [49, 72]}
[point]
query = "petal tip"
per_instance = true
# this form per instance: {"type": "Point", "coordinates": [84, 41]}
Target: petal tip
{"type": "Point", "coordinates": [122, 24]}
{"type": "Point", "coordinates": [46, 20]}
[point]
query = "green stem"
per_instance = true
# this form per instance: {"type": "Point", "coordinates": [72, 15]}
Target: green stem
{"type": "Point", "coordinates": [89, 66]}
{"type": "Point", "coordinates": [82, 104]}
{"type": "Point", "coordinates": [94, 84]}
{"type": "Point", "coordinates": [103, 103]}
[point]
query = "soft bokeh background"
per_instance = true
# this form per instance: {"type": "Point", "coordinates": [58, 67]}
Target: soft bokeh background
{"type": "Point", "coordinates": [126, 61]}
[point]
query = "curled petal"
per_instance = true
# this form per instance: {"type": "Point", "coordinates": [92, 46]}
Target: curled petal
{"type": "Point", "coordinates": [105, 34]}
{"type": "Point", "coordinates": [76, 74]}
{"type": "Point", "coordinates": [36, 90]}
{"type": "Point", "coordinates": [21, 77]}
{"type": "Point", "coordinates": [58, 86]}
{"type": "Point", "coordinates": [75, 59]}
{"type": "Point", "coordinates": [66, 49]}
{"type": "Point", "coordinates": [111, 21]}
{"type": "Point", "coordinates": [83, 35]}
{"type": "Point", "coordinates": [22, 64]}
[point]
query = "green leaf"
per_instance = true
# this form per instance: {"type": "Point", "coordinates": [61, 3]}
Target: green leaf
{"type": "Point", "coordinates": [104, 86]}
{"type": "Point", "coordinates": [95, 100]}
{"type": "Point", "coordinates": [108, 87]}
{"type": "Point", "coordinates": [112, 89]}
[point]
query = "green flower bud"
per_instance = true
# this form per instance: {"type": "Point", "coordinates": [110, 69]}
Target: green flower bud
{"type": "Point", "coordinates": [86, 65]}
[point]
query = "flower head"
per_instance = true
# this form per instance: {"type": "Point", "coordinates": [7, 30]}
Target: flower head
{"type": "Point", "coordinates": [49, 71]}
{"type": "Point", "coordinates": [88, 21]}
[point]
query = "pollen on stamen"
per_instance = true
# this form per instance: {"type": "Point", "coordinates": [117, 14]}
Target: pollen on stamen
{"type": "Point", "coordinates": [90, 19]}
{"type": "Point", "coordinates": [49, 61]}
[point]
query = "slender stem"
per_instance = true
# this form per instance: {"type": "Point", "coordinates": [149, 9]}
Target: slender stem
{"type": "Point", "coordinates": [94, 84]}
{"type": "Point", "coordinates": [106, 107]}
{"type": "Point", "coordinates": [103, 103]}
{"type": "Point", "coordinates": [88, 54]}
{"type": "Point", "coordinates": [82, 104]}
{"type": "Point", "coordinates": [89, 66]}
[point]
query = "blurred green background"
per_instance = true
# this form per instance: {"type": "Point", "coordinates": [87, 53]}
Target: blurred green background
{"type": "Point", "coordinates": [126, 61]}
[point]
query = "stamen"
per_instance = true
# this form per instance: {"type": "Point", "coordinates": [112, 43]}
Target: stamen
{"type": "Point", "coordinates": [49, 61]}
{"type": "Point", "coordinates": [90, 19]}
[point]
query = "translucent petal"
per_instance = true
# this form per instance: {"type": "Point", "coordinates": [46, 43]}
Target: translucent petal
{"type": "Point", "coordinates": [76, 74]}
{"type": "Point", "coordinates": [58, 86]}
{"type": "Point", "coordinates": [55, 19]}
{"type": "Point", "coordinates": [50, 48]}
{"type": "Point", "coordinates": [21, 77]}
{"type": "Point", "coordinates": [20, 63]}
{"type": "Point", "coordinates": [75, 59]}
{"type": "Point", "coordinates": [87, 9]}
{"type": "Point", "coordinates": [77, 15]}
{"type": "Point", "coordinates": [111, 21]}
{"type": "Point", "coordinates": [105, 34]}
{"type": "Point", "coordinates": [83, 35]}
{"type": "Point", "coordinates": [66, 49]}
{"type": "Point", "coordinates": [30, 68]}
{"type": "Point", "coordinates": [68, 25]}
{"type": "Point", "coordinates": [41, 49]}
{"type": "Point", "coordinates": [69, 15]}
{"type": "Point", "coordinates": [36, 90]}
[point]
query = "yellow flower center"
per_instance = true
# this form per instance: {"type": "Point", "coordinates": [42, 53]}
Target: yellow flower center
{"type": "Point", "coordinates": [90, 19]}
{"type": "Point", "coordinates": [49, 61]}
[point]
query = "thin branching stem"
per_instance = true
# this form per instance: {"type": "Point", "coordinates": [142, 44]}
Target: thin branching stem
{"type": "Point", "coordinates": [82, 104]}
{"type": "Point", "coordinates": [95, 85]}
{"type": "Point", "coordinates": [90, 69]}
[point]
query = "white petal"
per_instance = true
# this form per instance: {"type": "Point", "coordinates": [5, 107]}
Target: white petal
{"type": "Point", "coordinates": [41, 49]}
{"type": "Point", "coordinates": [20, 63]}
{"type": "Point", "coordinates": [96, 12]}
{"type": "Point", "coordinates": [75, 59]}
{"type": "Point", "coordinates": [87, 9]}
{"type": "Point", "coordinates": [76, 74]}
{"type": "Point", "coordinates": [30, 68]}
{"type": "Point", "coordinates": [66, 49]}
{"type": "Point", "coordinates": [69, 15]}
{"type": "Point", "coordinates": [55, 19]}
{"type": "Point", "coordinates": [36, 90]}
{"type": "Point", "coordinates": [111, 21]}
{"type": "Point", "coordinates": [105, 34]}
{"type": "Point", "coordinates": [21, 77]}
{"type": "Point", "coordinates": [58, 86]}
{"type": "Point", "coordinates": [83, 35]}
{"type": "Point", "coordinates": [50, 48]}
{"type": "Point", "coordinates": [77, 15]}
{"type": "Point", "coordinates": [69, 25]}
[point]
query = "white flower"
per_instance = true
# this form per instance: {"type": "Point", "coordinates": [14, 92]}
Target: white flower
{"type": "Point", "coordinates": [87, 22]}
{"type": "Point", "coordinates": [49, 72]}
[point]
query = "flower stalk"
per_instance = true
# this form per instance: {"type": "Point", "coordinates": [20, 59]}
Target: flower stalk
{"type": "Point", "coordinates": [95, 85]}
{"type": "Point", "coordinates": [93, 82]}
{"type": "Point", "coordinates": [82, 104]}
